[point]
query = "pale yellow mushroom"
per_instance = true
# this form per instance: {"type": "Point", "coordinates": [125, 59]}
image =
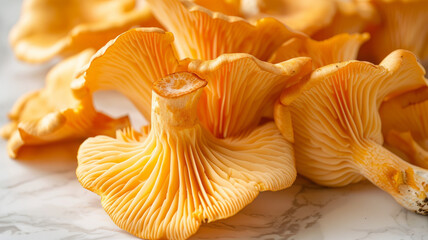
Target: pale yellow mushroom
{"type": "Point", "coordinates": [48, 28]}
{"type": "Point", "coordinates": [203, 34]}
{"type": "Point", "coordinates": [338, 128]}
{"type": "Point", "coordinates": [55, 114]}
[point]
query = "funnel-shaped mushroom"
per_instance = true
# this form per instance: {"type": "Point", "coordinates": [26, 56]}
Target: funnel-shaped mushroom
{"type": "Point", "coordinates": [54, 114]}
{"type": "Point", "coordinates": [166, 184]}
{"type": "Point", "coordinates": [342, 47]}
{"type": "Point", "coordinates": [338, 135]}
{"type": "Point", "coordinates": [48, 28]}
{"type": "Point", "coordinates": [351, 16]}
{"type": "Point", "coordinates": [403, 26]}
{"type": "Point", "coordinates": [405, 125]}
{"type": "Point", "coordinates": [202, 34]}
{"type": "Point", "coordinates": [135, 59]}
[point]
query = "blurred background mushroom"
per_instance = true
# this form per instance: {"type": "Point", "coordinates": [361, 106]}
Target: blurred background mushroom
{"type": "Point", "coordinates": [54, 114]}
{"type": "Point", "coordinates": [48, 28]}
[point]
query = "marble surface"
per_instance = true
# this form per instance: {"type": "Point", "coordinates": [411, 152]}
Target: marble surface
{"type": "Point", "coordinates": [40, 197]}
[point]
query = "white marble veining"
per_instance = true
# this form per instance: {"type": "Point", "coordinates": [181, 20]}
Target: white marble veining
{"type": "Point", "coordinates": [40, 197]}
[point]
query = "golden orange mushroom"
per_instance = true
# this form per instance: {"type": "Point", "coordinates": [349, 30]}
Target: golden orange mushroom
{"type": "Point", "coordinates": [351, 16]}
{"type": "Point", "coordinates": [49, 28]}
{"type": "Point", "coordinates": [206, 154]}
{"type": "Point", "coordinates": [54, 113]}
{"type": "Point", "coordinates": [307, 16]}
{"type": "Point", "coordinates": [338, 128]}
{"type": "Point", "coordinates": [203, 34]}
{"type": "Point", "coordinates": [131, 62]}
{"type": "Point", "coordinates": [403, 26]}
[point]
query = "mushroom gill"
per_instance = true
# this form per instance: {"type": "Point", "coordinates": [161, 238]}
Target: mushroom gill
{"type": "Point", "coordinates": [338, 128]}
{"type": "Point", "coordinates": [54, 113]}
{"type": "Point", "coordinates": [203, 34]}
{"type": "Point", "coordinates": [166, 184]}
{"type": "Point", "coordinates": [48, 28]}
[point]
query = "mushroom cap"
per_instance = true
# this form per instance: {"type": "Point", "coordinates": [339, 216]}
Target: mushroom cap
{"type": "Point", "coordinates": [54, 113]}
{"type": "Point", "coordinates": [166, 184]}
{"type": "Point", "coordinates": [403, 26]}
{"type": "Point", "coordinates": [338, 137]}
{"type": "Point", "coordinates": [351, 16]}
{"type": "Point", "coordinates": [234, 84]}
{"type": "Point", "coordinates": [203, 34]}
{"type": "Point", "coordinates": [307, 16]}
{"type": "Point", "coordinates": [342, 47]}
{"type": "Point", "coordinates": [343, 99]}
{"type": "Point", "coordinates": [132, 61]}
{"type": "Point", "coordinates": [39, 35]}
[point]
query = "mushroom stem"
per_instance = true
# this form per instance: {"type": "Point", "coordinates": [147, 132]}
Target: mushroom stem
{"type": "Point", "coordinates": [407, 183]}
{"type": "Point", "coordinates": [175, 100]}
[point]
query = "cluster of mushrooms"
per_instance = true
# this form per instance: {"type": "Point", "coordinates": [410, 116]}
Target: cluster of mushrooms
{"type": "Point", "coordinates": [241, 96]}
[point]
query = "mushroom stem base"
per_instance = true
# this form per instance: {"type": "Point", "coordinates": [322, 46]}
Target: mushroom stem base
{"type": "Point", "coordinates": [407, 183]}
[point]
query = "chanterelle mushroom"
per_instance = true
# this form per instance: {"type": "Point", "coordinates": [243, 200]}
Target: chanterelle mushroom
{"type": "Point", "coordinates": [54, 113]}
{"type": "Point", "coordinates": [203, 34]}
{"type": "Point", "coordinates": [351, 16]}
{"type": "Point", "coordinates": [338, 135]}
{"type": "Point", "coordinates": [403, 26]}
{"type": "Point", "coordinates": [132, 61]}
{"type": "Point", "coordinates": [56, 27]}
{"type": "Point", "coordinates": [405, 125]}
{"type": "Point", "coordinates": [166, 184]}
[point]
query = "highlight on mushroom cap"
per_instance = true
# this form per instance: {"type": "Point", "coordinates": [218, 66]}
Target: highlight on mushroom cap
{"type": "Point", "coordinates": [55, 114]}
{"type": "Point", "coordinates": [338, 129]}
{"type": "Point", "coordinates": [166, 184]}
{"type": "Point", "coordinates": [49, 28]}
